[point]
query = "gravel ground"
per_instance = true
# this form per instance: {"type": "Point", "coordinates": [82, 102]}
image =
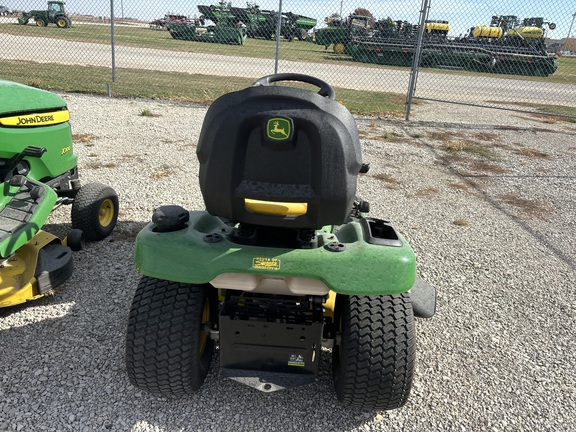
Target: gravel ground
{"type": "Point", "coordinates": [488, 210]}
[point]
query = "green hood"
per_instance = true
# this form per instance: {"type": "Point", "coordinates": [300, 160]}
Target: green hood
{"type": "Point", "coordinates": [18, 98]}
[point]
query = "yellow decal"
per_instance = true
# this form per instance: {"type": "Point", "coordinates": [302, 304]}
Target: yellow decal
{"type": "Point", "coordinates": [43, 119]}
{"type": "Point", "coordinates": [66, 150]}
{"type": "Point", "coordinates": [296, 360]}
{"type": "Point", "coordinates": [262, 263]}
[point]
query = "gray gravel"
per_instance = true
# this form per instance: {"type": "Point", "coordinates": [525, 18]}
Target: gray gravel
{"type": "Point", "coordinates": [489, 211]}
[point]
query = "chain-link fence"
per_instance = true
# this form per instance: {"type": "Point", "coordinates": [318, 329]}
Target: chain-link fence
{"type": "Point", "coordinates": [519, 55]}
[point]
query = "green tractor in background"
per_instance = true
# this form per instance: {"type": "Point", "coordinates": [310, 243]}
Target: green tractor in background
{"type": "Point", "coordinates": [54, 15]}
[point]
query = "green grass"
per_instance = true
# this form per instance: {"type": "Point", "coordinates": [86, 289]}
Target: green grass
{"type": "Point", "coordinates": [195, 88]}
{"type": "Point", "coordinates": [144, 37]}
{"type": "Point", "coordinates": [557, 110]}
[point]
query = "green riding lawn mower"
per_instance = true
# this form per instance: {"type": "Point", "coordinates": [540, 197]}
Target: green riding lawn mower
{"type": "Point", "coordinates": [282, 263]}
{"type": "Point", "coordinates": [38, 170]}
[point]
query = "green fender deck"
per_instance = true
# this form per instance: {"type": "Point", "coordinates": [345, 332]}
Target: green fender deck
{"type": "Point", "coordinates": [362, 268]}
{"type": "Point", "coordinates": [21, 215]}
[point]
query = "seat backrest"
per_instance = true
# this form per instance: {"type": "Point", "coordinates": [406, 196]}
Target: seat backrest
{"type": "Point", "coordinates": [279, 156]}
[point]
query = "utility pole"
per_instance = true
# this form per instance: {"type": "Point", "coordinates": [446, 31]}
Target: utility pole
{"type": "Point", "coordinates": [570, 30]}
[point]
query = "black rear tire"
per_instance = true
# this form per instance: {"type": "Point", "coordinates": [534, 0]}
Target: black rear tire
{"type": "Point", "coordinates": [95, 211]}
{"type": "Point", "coordinates": [374, 362]}
{"type": "Point", "coordinates": [167, 349]}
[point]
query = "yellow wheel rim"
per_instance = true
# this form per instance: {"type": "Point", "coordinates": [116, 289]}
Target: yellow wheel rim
{"type": "Point", "coordinates": [205, 319]}
{"type": "Point", "coordinates": [61, 23]}
{"type": "Point", "coordinates": [39, 23]}
{"type": "Point", "coordinates": [106, 212]}
{"type": "Point", "coordinates": [339, 48]}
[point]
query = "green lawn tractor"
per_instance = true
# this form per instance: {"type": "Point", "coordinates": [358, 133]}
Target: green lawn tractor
{"type": "Point", "coordinates": [38, 172]}
{"type": "Point", "coordinates": [55, 14]}
{"type": "Point", "coordinates": [282, 263]}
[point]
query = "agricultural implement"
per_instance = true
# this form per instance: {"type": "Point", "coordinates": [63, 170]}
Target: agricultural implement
{"type": "Point", "coordinates": [38, 169]}
{"type": "Point", "coordinates": [507, 46]}
{"type": "Point", "coordinates": [227, 29]}
{"type": "Point", "coordinates": [164, 23]}
{"type": "Point", "coordinates": [224, 32]}
{"type": "Point", "coordinates": [262, 23]}
{"type": "Point", "coordinates": [283, 261]}
{"type": "Point", "coordinates": [55, 14]}
{"type": "Point", "coordinates": [340, 32]}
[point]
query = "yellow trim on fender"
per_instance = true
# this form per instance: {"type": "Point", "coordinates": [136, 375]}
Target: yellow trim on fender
{"type": "Point", "coordinates": [276, 208]}
{"type": "Point", "coordinates": [31, 120]}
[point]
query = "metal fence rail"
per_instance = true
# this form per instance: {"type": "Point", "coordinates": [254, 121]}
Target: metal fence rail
{"type": "Point", "coordinates": [496, 54]}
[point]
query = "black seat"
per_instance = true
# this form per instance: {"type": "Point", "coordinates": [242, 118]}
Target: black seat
{"type": "Point", "coordinates": [279, 156]}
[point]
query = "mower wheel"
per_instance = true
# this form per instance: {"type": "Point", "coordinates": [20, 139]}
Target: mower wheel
{"type": "Point", "coordinates": [373, 363]}
{"type": "Point", "coordinates": [75, 240]}
{"type": "Point", "coordinates": [95, 211]}
{"type": "Point", "coordinates": [168, 351]}
{"type": "Point", "coordinates": [41, 23]}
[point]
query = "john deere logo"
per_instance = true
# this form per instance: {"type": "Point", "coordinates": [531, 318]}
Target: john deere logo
{"type": "Point", "coordinates": [279, 128]}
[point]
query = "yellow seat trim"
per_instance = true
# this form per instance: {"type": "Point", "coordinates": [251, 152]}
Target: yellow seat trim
{"type": "Point", "coordinates": [276, 208]}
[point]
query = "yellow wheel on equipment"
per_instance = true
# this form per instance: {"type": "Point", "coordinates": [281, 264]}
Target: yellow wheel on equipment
{"type": "Point", "coordinates": [339, 48]}
{"type": "Point", "coordinates": [106, 212]}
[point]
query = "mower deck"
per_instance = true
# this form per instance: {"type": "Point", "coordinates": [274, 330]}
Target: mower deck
{"type": "Point", "coordinates": [35, 269]}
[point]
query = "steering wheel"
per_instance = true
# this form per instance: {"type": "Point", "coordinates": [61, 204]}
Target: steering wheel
{"type": "Point", "coordinates": [325, 88]}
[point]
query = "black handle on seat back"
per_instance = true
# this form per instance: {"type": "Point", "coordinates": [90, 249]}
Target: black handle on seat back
{"type": "Point", "coordinates": [325, 88]}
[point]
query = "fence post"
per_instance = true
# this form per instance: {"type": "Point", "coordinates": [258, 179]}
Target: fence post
{"type": "Point", "coordinates": [112, 40]}
{"type": "Point", "coordinates": [278, 31]}
{"type": "Point", "coordinates": [416, 59]}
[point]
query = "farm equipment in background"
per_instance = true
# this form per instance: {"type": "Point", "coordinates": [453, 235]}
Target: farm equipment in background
{"type": "Point", "coordinates": [261, 23]}
{"type": "Point", "coordinates": [38, 171]}
{"type": "Point", "coordinates": [164, 23]}
{"type": "Point", "coordinates": [222, 32]}
{"type": "Point", "coordinates": [55, 14]}
{"type": "Point", "coordinates": [297, 26]}
{"type": "Point", "coordinates": [340, 32]}
{"type": "Point", "coordinates": [507, 45]}
{"type": "Point", "coordinates": [227, 29]}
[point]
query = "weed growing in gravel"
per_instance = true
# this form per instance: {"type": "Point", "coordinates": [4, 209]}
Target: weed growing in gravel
{"type": "Point", "coordinates": [470, 147]}
{"type": "Point", "coordinates": [487, 167]}
{"type": "Point", "coordinates": [390, 180]}
{"type": "Point", "coordinates": [532, 153]}
{"type": "Point", "coordinates": [427, 193]}
{"type": "Point", "coordinates": [148, 113]}
{"type": "Point", "coordinates": [86, 139]}
{"type": "Point", "coordinates": [535, 208]}
{"type": "Point", "coordinates": [163, 172]}
{"type": "Point", "coordinates": [465, 187]}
